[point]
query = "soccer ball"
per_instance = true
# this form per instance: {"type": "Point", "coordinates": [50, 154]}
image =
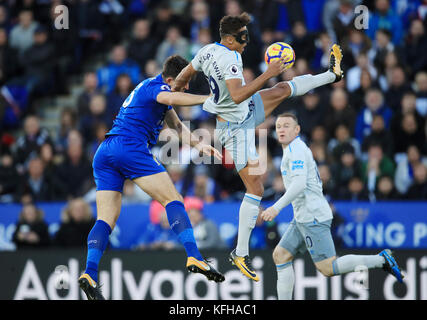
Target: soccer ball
{"type": "Point", "coordinates": [278, 50]}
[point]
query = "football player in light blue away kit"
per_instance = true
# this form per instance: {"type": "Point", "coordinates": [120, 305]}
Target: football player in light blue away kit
{"type": "Point", "coordinates": [241, 107]}
{"type": "Point", "coordinates": [310, 228]}
{"type": "Point", "coordinates": [126, 154]}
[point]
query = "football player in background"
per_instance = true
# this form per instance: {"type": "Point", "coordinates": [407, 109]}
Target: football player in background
{"type": "Point", "coordinates": [310, 228]}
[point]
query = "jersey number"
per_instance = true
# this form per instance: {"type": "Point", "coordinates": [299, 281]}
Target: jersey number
{"type": "Point", "coordinates": [214, 88]}
{"type": "Point", "coordinates": [128, 99]}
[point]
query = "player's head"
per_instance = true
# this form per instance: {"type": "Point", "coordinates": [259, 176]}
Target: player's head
{"type": "Point", "coordinates": [287, 128]}
{"type": "Point", "coordinates": [233, 31]}
{"type": "Point", "coordinates": [172, 67]}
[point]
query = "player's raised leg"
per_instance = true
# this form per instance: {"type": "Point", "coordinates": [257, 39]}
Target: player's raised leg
{"type": "Point", "coordinates": [160, 187]}
{"type": "Point", "coordinates": [300, 85]}
{"type": "Point", "coordinates": [108, 205]}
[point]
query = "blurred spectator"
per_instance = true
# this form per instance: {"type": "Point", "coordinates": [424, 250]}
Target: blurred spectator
{"type": "Point", "coordinates": [341, 140]}
{"type": "Point", "coordinates": [142, 47]}
{"type": "Point", "coordinates": [328, 182]}
{"type": "Point", "coordinates": [418, 189]}
{"type": "Point", "coordinates": [357, 96]}
{"type": "Point", "coordinates": [113, 18]}
{"type": "Point", "coordinates": [36, 62]}
{"type": "Point", "coordinates": [9, 178]}
{"type": "Point", "coordinates": [174, 43]}
{"type": "Point", "coordinates": [101, 130]}
{"type": "Point", "coordinates": [204, 187]}
{"type": "Point", "coordinates": [75, 172]}
{"type": "Point", "coordinates": [37, 184]}
{"type": "Point", "coordinates": [133, 194]}
{"type": "Point", "coordinates": [31, 229]}
{"type": "Point", "coordinates": [322, 52]}
{"type": "Point", "coordinates": [408, 133]}
{"type": "Point", "coordinates": [380, 47]}
{"type": "Point", "coordinates": [386, 189]}
{"type": "Point", "coordinates": [98, 113]}
{"type": "Point", "coordinates": [21, 35]}
{"type": "Point", "coordinates": [374, 104]}
{"type": "Point", "coordinates": [116, 97]}
{"type": "Point", "coordinates": [204, 38]}
{"type": "Point", "coordinates": [8, 58]}
{"type": "Point", "coordinates": [312, 13]}
{"type": "Point", "coordinates": [200, 19]}
{"type": "Point", "coordinates": [50, 159]}
{"type": "Point", "coordinates": [340, 18]}
{"type": "Point", "coordinates": [205, 230]}
{"type": "Point", "coordinates": [416, 42]}
{"type": "Point", "coordinates": [354, 74]}
{"type": "Point", "coordinates": [339, 112]}
{"type": "Point", "coordinates": [90, 88]}
{"type": "Point", "coordinates": [310, 113]}
{"type": "Point", "coordinates": [347, 167]}
{"type": "Point", "coordinates": [380, 135]}
{"type": "Point", "coordinates": [355, 191]}
{"type": "Point", "coordinates": [302, 41]}
{"type": "Point", "coordinates": [398, 85]}
{"type": "Point", "coordinates": [356, 43]}
{"type": "Point", "coordinates": [157, 234]}
{"type": "Point", "coordinates": [404, 176]}
{"type": "Point", "coordinates": [163, 19]}
{"type": "Point", "coordinates": [67, 122]}
{"type": "Point", "coordinates": [30, 142]}
{"type": "Point", "coordinates": [421, 91]}
{"type": "Point", "coordinates": [4, 19]}
{"type": "Point", "coordinates": [76, 222]}
{"type": "Point", "coordinates": [117, 65]}
{"type": "Point", "coordinates": [376, 166]}
{"type": "Point", "coordinates": [385, 18]}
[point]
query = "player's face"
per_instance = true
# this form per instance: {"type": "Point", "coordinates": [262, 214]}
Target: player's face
{"type": "Point", "coordinates": [237, 46]}
{"type": "Point", "coordinates": [286, 129]}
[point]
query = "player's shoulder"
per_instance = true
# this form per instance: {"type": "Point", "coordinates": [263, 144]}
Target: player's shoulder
{"type": "Point", "coordinates": [297, 146]}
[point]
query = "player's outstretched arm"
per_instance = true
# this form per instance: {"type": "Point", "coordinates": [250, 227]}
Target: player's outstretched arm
{"type": "Point", "coordinates": [297, 186]}
{"type": "Point", "coordinates": [180, 98]}
{"type": "Point", "coordinates": [185, 135]}
{"type": "Point", "coordinates": [184, 78]}
{"type": "Point", "coordinates": [240, 93]}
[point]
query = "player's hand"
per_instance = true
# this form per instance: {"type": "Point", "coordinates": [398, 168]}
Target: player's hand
{"type": "Point", "coordinates": [276, 67]}
{"type": "Point", "coordinates": [208, 150]}
{"type": "Point", "coordinates": [269, 214]}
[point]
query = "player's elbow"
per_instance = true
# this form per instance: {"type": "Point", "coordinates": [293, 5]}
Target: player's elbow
{"type": "Point", "coordinates": [237, 99]}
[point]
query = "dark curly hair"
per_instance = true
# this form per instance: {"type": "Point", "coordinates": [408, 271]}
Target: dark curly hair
{"type": "Point", "coordinates": [230, 25]}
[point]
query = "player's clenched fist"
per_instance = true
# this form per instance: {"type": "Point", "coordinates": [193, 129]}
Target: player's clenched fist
{"type": "Point", "coordinates": [269, 214]}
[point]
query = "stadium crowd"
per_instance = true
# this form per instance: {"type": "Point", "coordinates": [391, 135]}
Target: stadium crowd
{"type": "Point", "coordinates": [367, 132]}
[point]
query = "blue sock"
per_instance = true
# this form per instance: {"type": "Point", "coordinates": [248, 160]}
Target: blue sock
{"type": "Point", "coordinates": [181, 226]}
{"type": "Point", "coordinates": [97, 241]}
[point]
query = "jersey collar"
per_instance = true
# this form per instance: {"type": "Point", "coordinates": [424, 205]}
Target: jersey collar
{"type": "Point", "coordinates": [219, 44]}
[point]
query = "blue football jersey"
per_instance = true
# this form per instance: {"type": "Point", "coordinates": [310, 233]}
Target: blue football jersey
{"type": "Point", "coordinates": [141, 116]}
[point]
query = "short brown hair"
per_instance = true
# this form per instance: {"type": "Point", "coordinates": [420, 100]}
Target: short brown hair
{"type": "Point", "coordinates": [288, 115]}
{"type": "Point", "coordinates": [230, 25]}
{"type": "Point", "coordinates": [173, 66]}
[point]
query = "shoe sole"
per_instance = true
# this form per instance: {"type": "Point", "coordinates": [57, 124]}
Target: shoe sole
{"type": "Point", "coordinates": [84, 285]}
{"type": "Point", "coordinates": [210, 275]}
{"type": "Point", "coordinates": [336, 52]}
{"type": "Point", "coordinates": [394, 267]}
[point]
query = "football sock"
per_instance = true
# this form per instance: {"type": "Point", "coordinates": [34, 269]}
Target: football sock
{"type": "Point", "coordinates": [302, 84]}
{"type": "Point", "coordinates": [285, 281]}
{"type": "Point", "coordinates": [97, 241]}
{"type": "Point", "coordinates": [181, 226]}
{"type": "Point", "coordinates": [248, 213]}
{"type": "Point", "coordinates": [349, 263]}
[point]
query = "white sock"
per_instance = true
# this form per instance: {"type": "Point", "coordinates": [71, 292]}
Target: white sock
{"type": "Point", "coordinates": [285, 281]}
{"type": "Point", "coordinates": [302, 84]}
{"type": "Point", "coordinates": [248, 213]}
{"type": "Point", "coordinates": [349, 263]}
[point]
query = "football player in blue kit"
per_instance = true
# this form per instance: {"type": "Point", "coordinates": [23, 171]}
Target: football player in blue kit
{"type": "Point", "coordinates": [126, 154]}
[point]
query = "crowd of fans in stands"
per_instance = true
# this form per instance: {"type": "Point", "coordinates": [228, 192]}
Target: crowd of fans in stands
{"type": "Point", "coordinates": [367, 132]}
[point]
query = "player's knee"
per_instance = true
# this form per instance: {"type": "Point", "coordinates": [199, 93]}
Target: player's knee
{"type": "Point", "coordinates": [282, 89]}
{"type": "Point", "coordinates": [325, 270]}
{"type": "Point", "coordinates": [281, 255]}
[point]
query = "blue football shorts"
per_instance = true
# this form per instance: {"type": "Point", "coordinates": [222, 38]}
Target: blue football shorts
{"type": "Point", "coordinates": [119, 158]}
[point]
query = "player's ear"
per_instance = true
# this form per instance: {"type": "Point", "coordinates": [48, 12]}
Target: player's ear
{"type": "Point", "coordinates": [169, 81]}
